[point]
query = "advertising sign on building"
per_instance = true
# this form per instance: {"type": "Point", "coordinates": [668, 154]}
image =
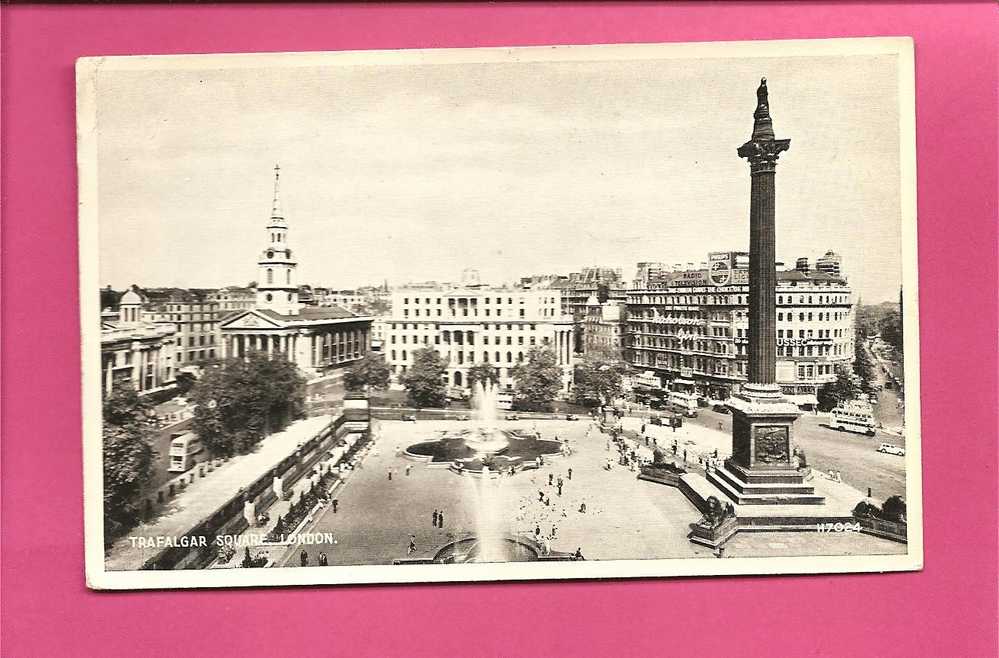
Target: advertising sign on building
{"type": "Point", "coordinates": [720, 268]}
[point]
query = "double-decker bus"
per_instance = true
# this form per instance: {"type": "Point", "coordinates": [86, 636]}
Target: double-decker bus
{"type": "Point", "coordinates": [856, 416]}
{"type": "Point", "coordinates": [184, 450]}
{"type": "Point", "coordinates": [685, 403]}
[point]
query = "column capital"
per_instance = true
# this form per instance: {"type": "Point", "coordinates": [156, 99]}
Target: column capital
{"type": "Point", "coordinates": [763, 154]}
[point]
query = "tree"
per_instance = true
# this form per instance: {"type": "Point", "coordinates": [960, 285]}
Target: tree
{"type": "Point", "coordinates": [424, 381]}
{"type": "Point", "coordinates": [891, 331]}
{"type": "Point", "coordinates": [185, 382]}
{"type": "Point", "coordinates": [845, 388]}
{"type": "Point", "coordinates": [243, 400]}
{"type": "Point", "coordinates": [597, 379]}
{"type": "Point", "coordinates": [370, 371]}
{"type": "Point", "coordinates": [483, 371]}
{"type": "Point", "coordinates": [894, 509]}
{"type": "Point", "coordinates": [862, 366]}
{"type": "Point", "coordinates": [128, 456]}
{"type": "Point", "coordinates": [538, 380]}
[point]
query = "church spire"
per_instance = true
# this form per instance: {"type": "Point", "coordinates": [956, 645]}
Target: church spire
{"type": "Point", "coordinates": [276, 205]}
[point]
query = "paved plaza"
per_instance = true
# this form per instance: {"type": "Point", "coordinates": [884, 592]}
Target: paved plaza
{"type": "Point", "coordinates": [624, 518]}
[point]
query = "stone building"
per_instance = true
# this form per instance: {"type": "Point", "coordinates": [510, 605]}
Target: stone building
{"type": "Point", "coordinates": [468, 326]}
{"type": "Point", "coordinates": [136, 349]}
{"type": "Point", "coordinates": [691, 329]}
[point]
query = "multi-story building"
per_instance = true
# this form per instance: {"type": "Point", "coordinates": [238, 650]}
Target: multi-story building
{"type": "Point", "coordinates": [320, 340]}
{"type": "Point", "coordinates": [234, 298]}
{"type": "Point", "coordinates": [604, 327]}
{"type": "Point", "coordinates": [829, 263]}
{"type": "Point", "coordinates": [691, 329]}
{"type": "Point", "coordinates": [195, 313]}
{"type": "Point", "coordinates": [136, 349]}
{"type": "Point", "coordinates": [346, 298]}
{"type": "Point", "coordinates": [475, 325]}
{"type": "Point", "coordinates": [647, 272]}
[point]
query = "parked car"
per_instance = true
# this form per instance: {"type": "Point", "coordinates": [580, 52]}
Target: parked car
{"type": "Point", "coordinates": [512, 417]}
{"type": "Point", "coordinates": [571, 417]}
{"type": "Point", "coordinates": [720, 408]}
{"type": "Point", "coordinates": [409, 417]}
{"type": "Point", "coordinates": [656, 420]}
{"type": "Point", "coordinates": [890, 449]}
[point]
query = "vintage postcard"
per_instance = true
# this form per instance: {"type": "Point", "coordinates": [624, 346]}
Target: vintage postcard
{"type": "Point", "coordinates": [499, 314]}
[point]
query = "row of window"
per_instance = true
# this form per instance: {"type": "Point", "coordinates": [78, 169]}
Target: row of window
{"type": "Point", "coordinates": [734, 300]}
{"type": "Point", "coordinates": [461, 357]}
{"type": "Point", "coordinates": [485, 340]}
{"type": "Point", "coordinates": [496, 326]}
{"type": "Point", "coordinates": [475, 300]}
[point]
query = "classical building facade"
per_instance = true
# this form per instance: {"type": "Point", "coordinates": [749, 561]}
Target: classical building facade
{"type": "Point", "coordinates": [319, 340]}
{"type": "Point", "coordinates": [691, 329]}
{"type": "Point", "coordinates": [476, 325]}
{"type": "Point", "coordinates": [136, 349]}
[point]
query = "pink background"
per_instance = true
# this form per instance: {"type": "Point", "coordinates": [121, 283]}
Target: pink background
{"type": "Point", "coordinates": [948, 609]}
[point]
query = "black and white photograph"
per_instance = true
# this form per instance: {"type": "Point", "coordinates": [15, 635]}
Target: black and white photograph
{"type": "Point", "coordinates": [600, 311]}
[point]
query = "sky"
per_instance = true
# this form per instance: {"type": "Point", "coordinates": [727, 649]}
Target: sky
{"type": "Point", "coordinates": [412, 172]}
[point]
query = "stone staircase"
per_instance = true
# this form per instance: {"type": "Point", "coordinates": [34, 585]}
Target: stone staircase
{"type": "Point", "coordinates": [777, 487]}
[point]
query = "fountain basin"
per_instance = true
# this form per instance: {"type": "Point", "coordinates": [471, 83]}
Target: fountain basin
{"type": "Point", "coordinates": [469, 457]}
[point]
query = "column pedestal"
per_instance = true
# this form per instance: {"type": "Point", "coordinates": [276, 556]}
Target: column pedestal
{"type": "Point", "coordinates": [761, 470]}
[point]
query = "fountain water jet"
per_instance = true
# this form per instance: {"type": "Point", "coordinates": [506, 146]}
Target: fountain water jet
{"type": "Point", "coordinates": [485, 440]}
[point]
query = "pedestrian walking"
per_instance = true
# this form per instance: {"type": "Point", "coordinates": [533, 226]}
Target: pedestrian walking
{"type": "Point", "coordinates": [303, 557]}
{"type": "Point", "coordinates": [537, 531]}
{"type": "Point", "coordinates": [335, 503]}
{"type": "Point", "coordinates": [435, 518]}
{"type": "Point", "coordinates": [412, 545]}
{"type": "Point", "coordinates": [570, 473]}
{"type": "Point", "coordinates": [390, 474]}
{"type": "Point", "coordinates": [541, 496]}
{"type": "Point", "coordinates": [408, 468]}
{"type": "Point", "coordinates": [560, 488]}
{"type": "Point", "coordinates": [440, 519]}
{"type": "Point", "coordinates": [323, 560]}
{"type": "Point", "coordinates": [550, 477]}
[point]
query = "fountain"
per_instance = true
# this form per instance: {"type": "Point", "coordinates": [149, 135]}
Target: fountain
{"type": "Point", "coordinates": [485, 440]}
{"type": "Point", "coordinates": [484, 450]}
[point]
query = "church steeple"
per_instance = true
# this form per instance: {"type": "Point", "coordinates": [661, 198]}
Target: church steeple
{"type": "Point", "coordinates": [276, 204]}
{"type": "Point", "coordinates": [277, 288]}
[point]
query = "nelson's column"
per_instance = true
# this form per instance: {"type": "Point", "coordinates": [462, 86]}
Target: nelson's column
{"type": "Point", "coordinates": [762, 470]}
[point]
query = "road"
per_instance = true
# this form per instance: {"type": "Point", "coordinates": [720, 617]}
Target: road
{"type": "Point", "coordinates": [855, 456]}
{"type": "Point", "coordinates": [889, 410]}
